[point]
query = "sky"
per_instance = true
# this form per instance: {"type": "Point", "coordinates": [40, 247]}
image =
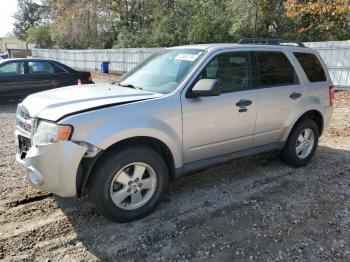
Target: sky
{"type": "Point", "coordinates": [8, 9]}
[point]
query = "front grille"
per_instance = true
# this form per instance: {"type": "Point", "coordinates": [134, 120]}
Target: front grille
{"type": "Point", "coordinates": [24, 125]}
{"type": "Point", "coordinates": [24, 144]}
{"type": "Point", "coordinates": [24, 114]}
{"type": "Point", "coordinates": [23, 120]}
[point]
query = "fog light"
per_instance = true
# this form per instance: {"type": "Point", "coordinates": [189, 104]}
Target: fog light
{"type": "Point", "coordinates": [34, 176]}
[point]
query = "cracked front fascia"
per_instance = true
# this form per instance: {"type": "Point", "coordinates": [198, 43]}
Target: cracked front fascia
{"type": "Point", "coordinates": [58, 164]}
{"type": "Point", "coordinates": [91, 150]}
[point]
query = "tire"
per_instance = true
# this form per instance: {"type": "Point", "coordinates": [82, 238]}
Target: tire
{"type": "Point", "coordinates": [112, 176]}
{"type": "Point", "coordinates": [289, 153]}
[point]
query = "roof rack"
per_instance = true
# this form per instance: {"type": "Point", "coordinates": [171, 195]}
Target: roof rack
{"type": "Point", "coordinates": [266, 41]}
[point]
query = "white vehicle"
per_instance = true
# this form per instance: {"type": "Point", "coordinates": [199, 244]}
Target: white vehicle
{"type": "Point", "coordinates": [181, 110]}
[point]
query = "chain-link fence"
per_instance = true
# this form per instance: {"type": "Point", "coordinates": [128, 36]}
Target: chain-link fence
{"type": "Point", "coordinates": [336, 55]}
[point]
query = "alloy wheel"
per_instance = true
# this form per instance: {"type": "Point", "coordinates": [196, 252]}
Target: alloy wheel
{"type": "Point", "coordinates": [133, 186]}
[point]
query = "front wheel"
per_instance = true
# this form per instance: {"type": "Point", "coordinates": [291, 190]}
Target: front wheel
{"type": "Point", "coordinates": [128, 184]}
{"type": "Point", "coordinates": [301, 144]}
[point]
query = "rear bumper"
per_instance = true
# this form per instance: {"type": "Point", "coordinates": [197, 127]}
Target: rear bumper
{"type": "Point", "coordinates": [53, 167]}
{"type": "Point", "coordinates": [328, 113]}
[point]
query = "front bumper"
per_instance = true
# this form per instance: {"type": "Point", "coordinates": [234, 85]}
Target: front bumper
{"type": "Point", "coordinates": [53, 167]}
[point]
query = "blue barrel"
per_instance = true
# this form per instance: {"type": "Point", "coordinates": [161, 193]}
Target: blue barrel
{"type": "Point", "coordinates": [105, 67]}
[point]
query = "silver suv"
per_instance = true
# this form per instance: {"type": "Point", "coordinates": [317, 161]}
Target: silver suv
{"type": "Point", "coordinates": [179, 111]}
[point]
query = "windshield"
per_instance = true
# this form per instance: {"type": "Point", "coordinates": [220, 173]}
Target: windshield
{"type": "Point", "coordinates": [162, 72]}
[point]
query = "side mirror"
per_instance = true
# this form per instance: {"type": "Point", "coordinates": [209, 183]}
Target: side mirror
{"type": "Point", "coordinates": [206, 87]}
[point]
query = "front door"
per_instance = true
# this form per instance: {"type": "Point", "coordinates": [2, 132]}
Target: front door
{"type": "Point", "coordinates": [219, 125]}
{"type": "Point", "coordinates": [11, 80]}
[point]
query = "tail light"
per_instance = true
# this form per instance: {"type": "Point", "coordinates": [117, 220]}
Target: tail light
{"type": "Point", "coordinates": [79, 82]}
{"type": "Point", "coordinates": [331, 95]}
{"type": "Point", "coordinates": [90, 78]}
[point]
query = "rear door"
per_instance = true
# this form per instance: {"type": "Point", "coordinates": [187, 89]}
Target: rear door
{"type": "Point", "coordinates": [218, 125]}
{"type": "Point", "coordinates": [62, 77]}
{"type": "Point", "coordinates": [12, 80]}
{"type": "Point", "coordinates": [318, 82]}
{"type": "Point", "coordinates": [279, 93]}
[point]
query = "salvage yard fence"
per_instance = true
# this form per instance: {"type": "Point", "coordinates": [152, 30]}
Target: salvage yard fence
{"type": "Point", "coordinates": [336, 55]}
{"type": "Point", "coordinates": [121, 60]}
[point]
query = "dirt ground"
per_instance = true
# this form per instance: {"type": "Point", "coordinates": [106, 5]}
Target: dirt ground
{"type": "Point", "coordinates": [252, 209]}
{"type": "Point", "coordinates": [98, 77]}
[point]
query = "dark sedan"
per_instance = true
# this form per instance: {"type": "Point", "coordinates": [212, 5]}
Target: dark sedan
{"type": "Point", "coordinates": [22, 77]}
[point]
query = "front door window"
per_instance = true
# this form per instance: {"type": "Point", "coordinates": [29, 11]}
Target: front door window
{"type": "Point", "coordinates": [232, 69]}
{"type": "Point", "coordinates": [12, 69]}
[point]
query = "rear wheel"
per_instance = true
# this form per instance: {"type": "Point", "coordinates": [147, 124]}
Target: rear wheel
{"type": "Point", "coordinates": [128, 184]}
{"type": "Point", "coordinates": [301, 144]}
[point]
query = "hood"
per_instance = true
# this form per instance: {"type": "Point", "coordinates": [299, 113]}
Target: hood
{"type": "Point", "coordinates": [57, 103]}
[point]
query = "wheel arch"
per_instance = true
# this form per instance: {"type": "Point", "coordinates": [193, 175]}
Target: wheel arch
{"type": "Point", "coordinates": [312, 114]}
{"type": "Point", "coordinates": [87, 165]}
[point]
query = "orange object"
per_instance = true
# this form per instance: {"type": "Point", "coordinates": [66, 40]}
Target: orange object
{"type": "Point", "coordinates": [63, 133]}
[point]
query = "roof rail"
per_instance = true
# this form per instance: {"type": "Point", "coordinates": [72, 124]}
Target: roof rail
{"type": "Point", "coordinates": [266, 41]}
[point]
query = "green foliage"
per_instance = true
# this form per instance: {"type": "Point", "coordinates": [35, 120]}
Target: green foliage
{"type": "Point", "coordinates": [211, 23]}
{"type": "Point", "coordinates": [29, 14]}
{"type": "Point", "coordinates": [40, 35]}
{"type": "Point", "coordinates": [78, 24]}
{"type": "Point", "coordinates": [131, 38]}
{"type": "Point", "coordinates": [170, 23]}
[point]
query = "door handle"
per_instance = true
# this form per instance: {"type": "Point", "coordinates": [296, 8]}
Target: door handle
{"type": "Point", "coordinates": [295, 95]}
{"type": "Point", "coordinates": [243, 103]}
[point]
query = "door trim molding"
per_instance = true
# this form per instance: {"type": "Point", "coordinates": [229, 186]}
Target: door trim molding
{"type": "Point", "coordinates": [201, 164]}
{"type": "Point", "coordinates": [220, 143]}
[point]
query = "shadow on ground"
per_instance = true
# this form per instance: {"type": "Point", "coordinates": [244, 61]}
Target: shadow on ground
{"type": "Point", "coordinates": [8, 107]}
{"type": "Point", "coordinates": [248, 209]}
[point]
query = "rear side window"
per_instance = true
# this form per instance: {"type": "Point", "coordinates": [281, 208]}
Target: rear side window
{"type": "Point", "coordinates": [39, 67]}
{"type": "Point", "coordinates": [275, 69]}
{"type": "Point", "coordinates": [57, 68]}
{"type": "Point", "coordinates": [312, 67]}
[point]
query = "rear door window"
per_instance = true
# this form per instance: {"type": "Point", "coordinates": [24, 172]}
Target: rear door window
{"type": "Point", "coordinates": [311, 66]}
{"type": "Point", "coordinates": [275, 69]}
{"type": "Point", "coordinates": [39, 67]}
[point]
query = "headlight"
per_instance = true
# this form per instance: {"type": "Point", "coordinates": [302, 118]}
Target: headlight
{"type": "Point", "coordinates": [49, 132]}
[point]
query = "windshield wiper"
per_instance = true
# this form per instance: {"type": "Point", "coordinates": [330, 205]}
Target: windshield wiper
{"type": "Point", "coordinates": [129, 86]}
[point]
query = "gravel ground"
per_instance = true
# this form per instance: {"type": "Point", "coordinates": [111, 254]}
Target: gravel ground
{"type": "Point", "coordinates": [252, 209]}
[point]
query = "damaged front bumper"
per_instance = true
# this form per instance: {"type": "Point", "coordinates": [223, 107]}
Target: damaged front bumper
{"type": "Point", "coordinates": [53, 167]}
